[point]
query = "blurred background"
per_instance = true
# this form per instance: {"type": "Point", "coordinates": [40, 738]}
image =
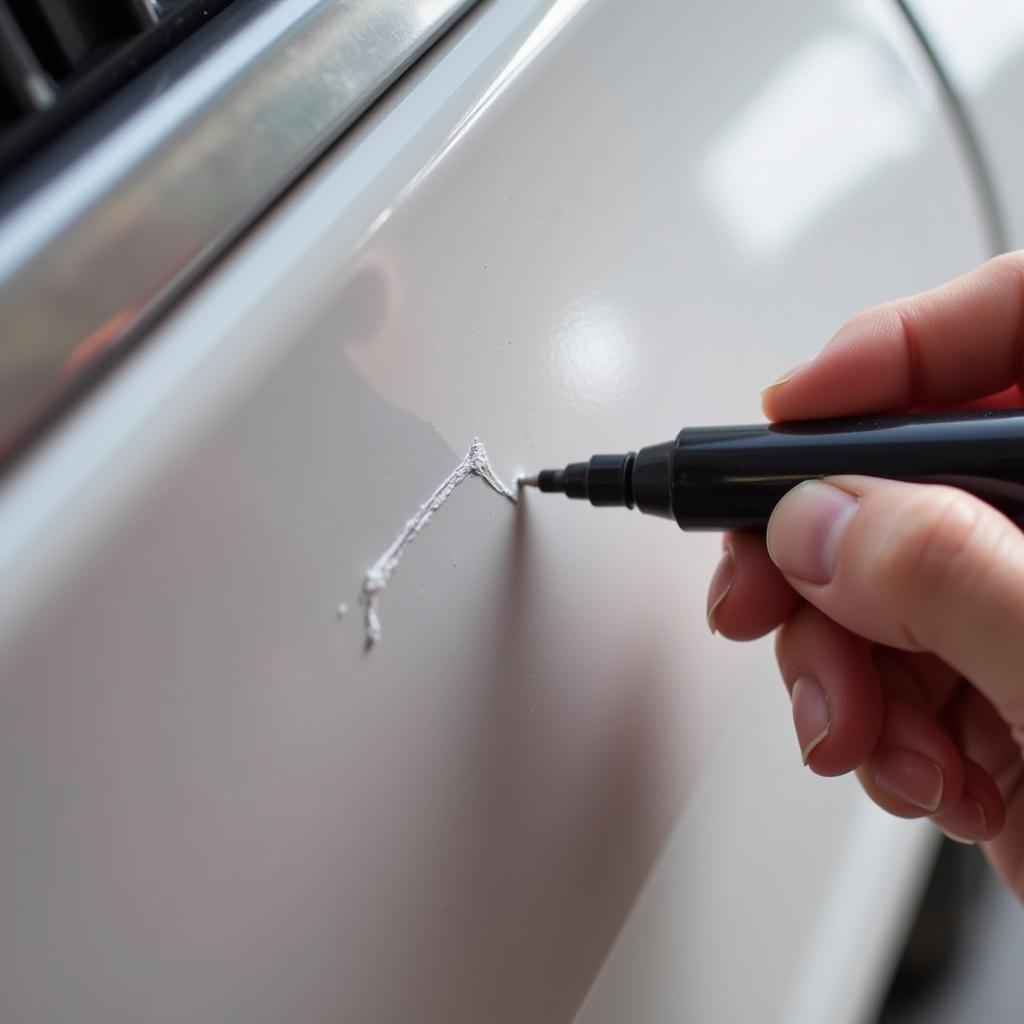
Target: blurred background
{"type": "Point", "coordinates": [960, 959]}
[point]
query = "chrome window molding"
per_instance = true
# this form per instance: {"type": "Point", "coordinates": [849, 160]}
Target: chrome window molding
{"type": "Point", "coordinates": [88, 258]}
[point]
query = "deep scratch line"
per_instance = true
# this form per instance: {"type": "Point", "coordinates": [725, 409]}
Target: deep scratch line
{"type": "Point", "coordinates": [376, 579]}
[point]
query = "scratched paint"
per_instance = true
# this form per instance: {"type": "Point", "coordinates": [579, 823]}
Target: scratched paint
{"type": "Point", "coordinates": [376, 579]}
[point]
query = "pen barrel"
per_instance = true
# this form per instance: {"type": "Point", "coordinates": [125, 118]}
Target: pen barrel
{"type": "Point", "coordinates": [731, 478]}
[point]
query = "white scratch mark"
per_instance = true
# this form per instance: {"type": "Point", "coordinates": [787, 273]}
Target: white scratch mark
{"type": "Point", "coordinates": [342, 610]}
{"type": "Point", "coordinates": [376, 579]}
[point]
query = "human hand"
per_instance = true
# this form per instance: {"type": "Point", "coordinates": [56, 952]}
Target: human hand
{"type": "Point", "coordinates": [901, 606]}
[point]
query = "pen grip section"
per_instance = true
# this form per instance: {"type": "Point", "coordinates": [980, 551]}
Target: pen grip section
{"type": "Point", "coordinates": [731, 478]}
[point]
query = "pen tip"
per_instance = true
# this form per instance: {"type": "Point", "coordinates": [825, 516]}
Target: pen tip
{"type": "Point", "coordinates": [528, 481]}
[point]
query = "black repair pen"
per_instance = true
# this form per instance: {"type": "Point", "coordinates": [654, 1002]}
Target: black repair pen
{"type": "Point", "coordinates": [730, 478]}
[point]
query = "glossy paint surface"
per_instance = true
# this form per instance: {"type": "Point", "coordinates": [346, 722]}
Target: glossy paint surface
{"type": "Point", "coordinates": [577, 226]}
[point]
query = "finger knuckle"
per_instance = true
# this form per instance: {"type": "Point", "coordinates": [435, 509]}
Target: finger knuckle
{"type": "Point", "coordinates": [887, 320]}
{"type": "Point", "coordinates": [790, 642]}
{"type": "Point", "coordinates": [783, 644]}
{"type": "Point", "coordinates": [942, 541]}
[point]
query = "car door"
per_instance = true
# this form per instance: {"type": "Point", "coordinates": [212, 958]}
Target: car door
{"type": "Point", "coordinates": [547, 792]}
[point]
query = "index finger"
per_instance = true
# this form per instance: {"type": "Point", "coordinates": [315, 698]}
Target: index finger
{"type": "Point", "coordinates": [958, 342]}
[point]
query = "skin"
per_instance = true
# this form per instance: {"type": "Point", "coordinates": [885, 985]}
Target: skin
{"type": "Point", "coordinates": [899, 608]}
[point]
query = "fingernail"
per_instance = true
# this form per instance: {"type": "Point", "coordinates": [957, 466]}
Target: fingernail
{"type": "Point", "coordinates": [910, 777]}
{"type": "Point", "coordinates": [811, 714]}
{"type": "Point", "coordinates": [965, 823]}
{"type": "Point", "coordinates": [785, 377]}
{"type": "Point", "coordinates": [721, 582]}
{"type": "Point", "coordinates": [804, 530]}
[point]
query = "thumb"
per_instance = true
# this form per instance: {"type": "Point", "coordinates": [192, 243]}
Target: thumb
{"type": "Point", "coordinates": [914, 566]}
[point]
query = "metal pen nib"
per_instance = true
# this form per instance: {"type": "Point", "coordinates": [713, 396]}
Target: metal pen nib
{"type": "Point", "coordinates": [634, 480]}
{"type": "Point", "coordinates": [548, 480]}
{"type": "Point", "coordinates": [604, 480]}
